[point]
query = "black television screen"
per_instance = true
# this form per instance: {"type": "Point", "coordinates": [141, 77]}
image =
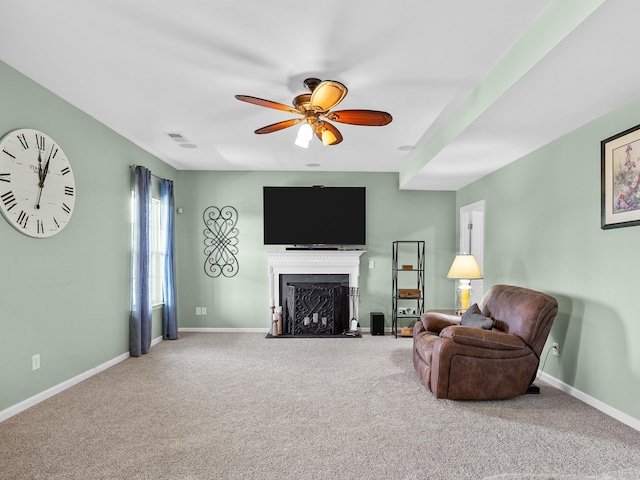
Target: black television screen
{"type": "Point", "coordinates": [314, 216]}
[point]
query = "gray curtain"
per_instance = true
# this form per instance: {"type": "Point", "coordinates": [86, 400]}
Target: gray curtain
{"type": "Point", "coordinates": [141, 302]}
{"type": "Point", "coordinates": [169, 320]}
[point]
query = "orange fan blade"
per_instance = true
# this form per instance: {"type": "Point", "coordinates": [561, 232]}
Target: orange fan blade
{"type": "Point", "coordinates": [266, 103]}
{"type": "Point", "coordinates": [327, 95]}
{"type": "Point", "coordinates": [327, 133]}
{"type": "Point", "coordinates": [279, 126]}
{"type": "Point", "coordinates": [372, 118]}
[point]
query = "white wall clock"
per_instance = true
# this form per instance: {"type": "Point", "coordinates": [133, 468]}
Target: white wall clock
{"type": "Point", "coordinates": [37, 187]}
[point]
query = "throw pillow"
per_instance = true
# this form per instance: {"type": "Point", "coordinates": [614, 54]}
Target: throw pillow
{"type": "Point", "coordinates": [473, 317]}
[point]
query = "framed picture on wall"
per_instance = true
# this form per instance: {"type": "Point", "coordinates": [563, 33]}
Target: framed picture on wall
{"type": "Point", "coordinates": [620, 179]}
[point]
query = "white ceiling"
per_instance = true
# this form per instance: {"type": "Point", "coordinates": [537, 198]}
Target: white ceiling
{"type": "Point", "coordinates": [472, 85]}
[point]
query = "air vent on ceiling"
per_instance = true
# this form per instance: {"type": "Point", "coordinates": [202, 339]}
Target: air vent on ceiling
{"type": "Point", "coordinates": [181, 140]}
{"type": "Point", "coordinates": [177, 137]}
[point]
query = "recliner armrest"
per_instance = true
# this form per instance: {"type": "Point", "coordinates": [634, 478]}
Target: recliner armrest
{"type": "Point", "coordinates": [478, 337]}
{"type": "Point", "coordinates": [436, 321]}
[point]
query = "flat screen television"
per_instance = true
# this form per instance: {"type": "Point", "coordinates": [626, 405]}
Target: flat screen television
{"type": "Point", "coordinates": [315, 216]}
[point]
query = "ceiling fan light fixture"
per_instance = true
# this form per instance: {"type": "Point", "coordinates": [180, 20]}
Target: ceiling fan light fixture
{"type": "Point", "coordinates": [328, 138]}
{"type": "Point", "coordinates": [305, 134]}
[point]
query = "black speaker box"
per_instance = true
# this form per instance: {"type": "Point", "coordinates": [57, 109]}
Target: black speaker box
{"type": "Point", "coordinates": [377, 323]}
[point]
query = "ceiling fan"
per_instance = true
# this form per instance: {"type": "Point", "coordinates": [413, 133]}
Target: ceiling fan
{"type": "Point", "coordinates": [315, 108]}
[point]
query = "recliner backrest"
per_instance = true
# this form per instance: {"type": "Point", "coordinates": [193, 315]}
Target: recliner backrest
{"type": "Point", "coordinates": [526, 313]}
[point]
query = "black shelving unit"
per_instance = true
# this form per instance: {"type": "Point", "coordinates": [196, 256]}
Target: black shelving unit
{"type": "Point", "coordinates": [407, 253]}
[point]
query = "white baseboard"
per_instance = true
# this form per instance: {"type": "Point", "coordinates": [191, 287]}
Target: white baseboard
{"type": "Point", "coordinates": [224, 330]}
{"type": "Point", "coordinates": [368, 330]}
{"type": "Point", "coordinates": [50, 392]}
{"type": "Point", "coordinates": [249, 330]}
{"type": "Point", "coordinates": [589, 400]}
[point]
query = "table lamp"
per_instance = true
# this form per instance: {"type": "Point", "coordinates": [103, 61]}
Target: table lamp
{"type": "Point", "coordinates": [464, 268]}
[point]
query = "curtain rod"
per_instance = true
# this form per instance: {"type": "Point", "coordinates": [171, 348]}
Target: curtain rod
{"type": "Point", "coordinates": [159, 178]}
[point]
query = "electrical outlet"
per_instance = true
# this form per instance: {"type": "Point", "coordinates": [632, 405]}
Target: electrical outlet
{"type": "Point", "coordinates": [204, 310]}
{"type": "Point", "coordinates": [35, 362]}
{"type": "Point", "coordinates": [372, 264]}
{"type": "Point", "coordinates": [198, 311]}
{"type": "Point", "coordinates": [555, 349]}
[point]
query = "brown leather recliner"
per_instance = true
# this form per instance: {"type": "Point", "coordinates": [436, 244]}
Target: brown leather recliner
{"type": "Point", "coordinates": [461, 362]}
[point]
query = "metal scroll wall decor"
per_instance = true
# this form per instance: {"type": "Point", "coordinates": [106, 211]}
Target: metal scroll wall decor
{"type": "Point", "coordinates": [221, 241]}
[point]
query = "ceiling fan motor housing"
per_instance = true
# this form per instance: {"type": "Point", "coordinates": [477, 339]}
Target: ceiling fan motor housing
{"type": "Point", "coordinates": [312, 83]}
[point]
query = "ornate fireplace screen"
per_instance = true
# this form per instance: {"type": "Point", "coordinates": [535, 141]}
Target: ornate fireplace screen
{"type": "Point", "coordinates": [221, 241]}
{"type": "Point", "coordinates": [316, 309]}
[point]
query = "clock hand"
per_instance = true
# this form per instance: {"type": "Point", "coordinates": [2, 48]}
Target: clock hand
{"type": "Point", "coordinates": [39, 166]}
{"type": "Point", "coordinates": [39, 195]}
{"type": "Point", "coordinates": [45, 172]}
{"type": "Point", "coordinates": [43, 176]}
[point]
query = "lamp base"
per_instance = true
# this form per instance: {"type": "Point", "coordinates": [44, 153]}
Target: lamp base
{"type": "Point", "coordinates": [463, 295]}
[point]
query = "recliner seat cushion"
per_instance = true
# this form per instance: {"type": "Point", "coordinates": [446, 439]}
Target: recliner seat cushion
{"type": "Point", "coordinates": [478, 337]}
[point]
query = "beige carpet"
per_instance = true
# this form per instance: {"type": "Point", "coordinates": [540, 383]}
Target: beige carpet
{"type": "Point", "coordinates": [239, 406]}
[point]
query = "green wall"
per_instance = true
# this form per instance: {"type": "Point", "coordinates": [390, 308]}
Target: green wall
{"type": "Point", "coordinates": [542, 230]}
{"type": "Point", "coordinates": [66, 297]}
{"type": "Point", "coordinates": [242, 301]}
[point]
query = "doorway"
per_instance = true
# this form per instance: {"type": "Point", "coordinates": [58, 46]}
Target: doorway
{"type": "Point", "coordinates": [472, 241]}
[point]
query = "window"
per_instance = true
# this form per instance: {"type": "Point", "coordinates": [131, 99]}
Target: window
{"type": "Point", "coordinates": [156, 249]}
{"type": "Point", "coordinates": [157, 254]}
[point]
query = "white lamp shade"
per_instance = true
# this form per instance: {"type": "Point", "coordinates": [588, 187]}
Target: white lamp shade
{"type": "Point", "coordinates": [464, 266]}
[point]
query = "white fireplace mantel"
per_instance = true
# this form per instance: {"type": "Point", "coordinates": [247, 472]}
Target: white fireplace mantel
{"type": "Point", "coordinates": [287, 262]}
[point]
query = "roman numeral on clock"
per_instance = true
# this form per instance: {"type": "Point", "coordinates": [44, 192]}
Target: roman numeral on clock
{"type": "Point", "coordinates": [68, 191]}
{"type": "Point", "coordinates": [40, 226]}
{"type": "Point", "coordinates": [9, 200]}
{"type": "Point", "coordinates": [23, 141]}
{"type": "Point", "coordinates": [66, 208]}
{"type": "Point", "coordinates": [5, 177]}
{"type": "Point", "coordinates": [40, 141]}
{"type": "Point", "coordinates": [12, 156]}
{"type": "Point", "coordinates": [65, 170]}
{"type": "Point", "coordinates": [23, 219]}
